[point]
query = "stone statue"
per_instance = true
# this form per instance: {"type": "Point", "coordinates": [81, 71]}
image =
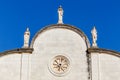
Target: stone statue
{"type": "Point", "coordinates": [94, 37]}
{"type": "Point", "coordinates": [60, 15]}
{"type": "Point", "coordinates": [26, 38]}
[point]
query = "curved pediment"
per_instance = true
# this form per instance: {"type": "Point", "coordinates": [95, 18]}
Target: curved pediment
{"type": "Point", "coordinates": [62, 26]}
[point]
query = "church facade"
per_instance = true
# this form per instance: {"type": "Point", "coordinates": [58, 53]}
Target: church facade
{"type": "Point", "coordinates": [60, 52]}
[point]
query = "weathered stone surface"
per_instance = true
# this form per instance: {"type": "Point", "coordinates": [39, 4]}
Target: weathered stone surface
{"type": "Point", "coordinates": [85, 63]}
{"type": "Point", "coordinates": [59, 41]}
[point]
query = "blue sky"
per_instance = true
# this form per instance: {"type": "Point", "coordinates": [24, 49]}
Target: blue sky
{"type": "Point", "coordinates": [17, 15]}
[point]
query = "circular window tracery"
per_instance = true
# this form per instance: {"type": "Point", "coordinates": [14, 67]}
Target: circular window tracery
{"type": "Point", "coordinates": [59, 65]}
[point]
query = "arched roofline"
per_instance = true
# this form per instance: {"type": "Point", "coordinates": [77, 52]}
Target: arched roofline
{"type": "Point", "coordinates": [63, 26]}
{"type": "Point", "coordinates": [103, 51]}
{"type": "Point", "coordinates": [17, 51]}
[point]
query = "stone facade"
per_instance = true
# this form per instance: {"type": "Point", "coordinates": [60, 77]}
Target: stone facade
{"type": "Point", "coordinates": [79, 60]}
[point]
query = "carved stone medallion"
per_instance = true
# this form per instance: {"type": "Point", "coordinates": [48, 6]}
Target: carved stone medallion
{"type": "Point", "coordinates": [60, 65]}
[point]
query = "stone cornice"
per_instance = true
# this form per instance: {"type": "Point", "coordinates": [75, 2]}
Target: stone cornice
{"type": "Point", "coordinates": [103, 51]}
{"type": "Point", "coordinates": [17, 51]}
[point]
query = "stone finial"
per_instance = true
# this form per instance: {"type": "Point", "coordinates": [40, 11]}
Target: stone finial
{"type": "Point", "coordinates": [26, 38]}
{"type": "Point", "coordinates": [94, 37]}
{"type": "Point", "coordinates": [60, 15]}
